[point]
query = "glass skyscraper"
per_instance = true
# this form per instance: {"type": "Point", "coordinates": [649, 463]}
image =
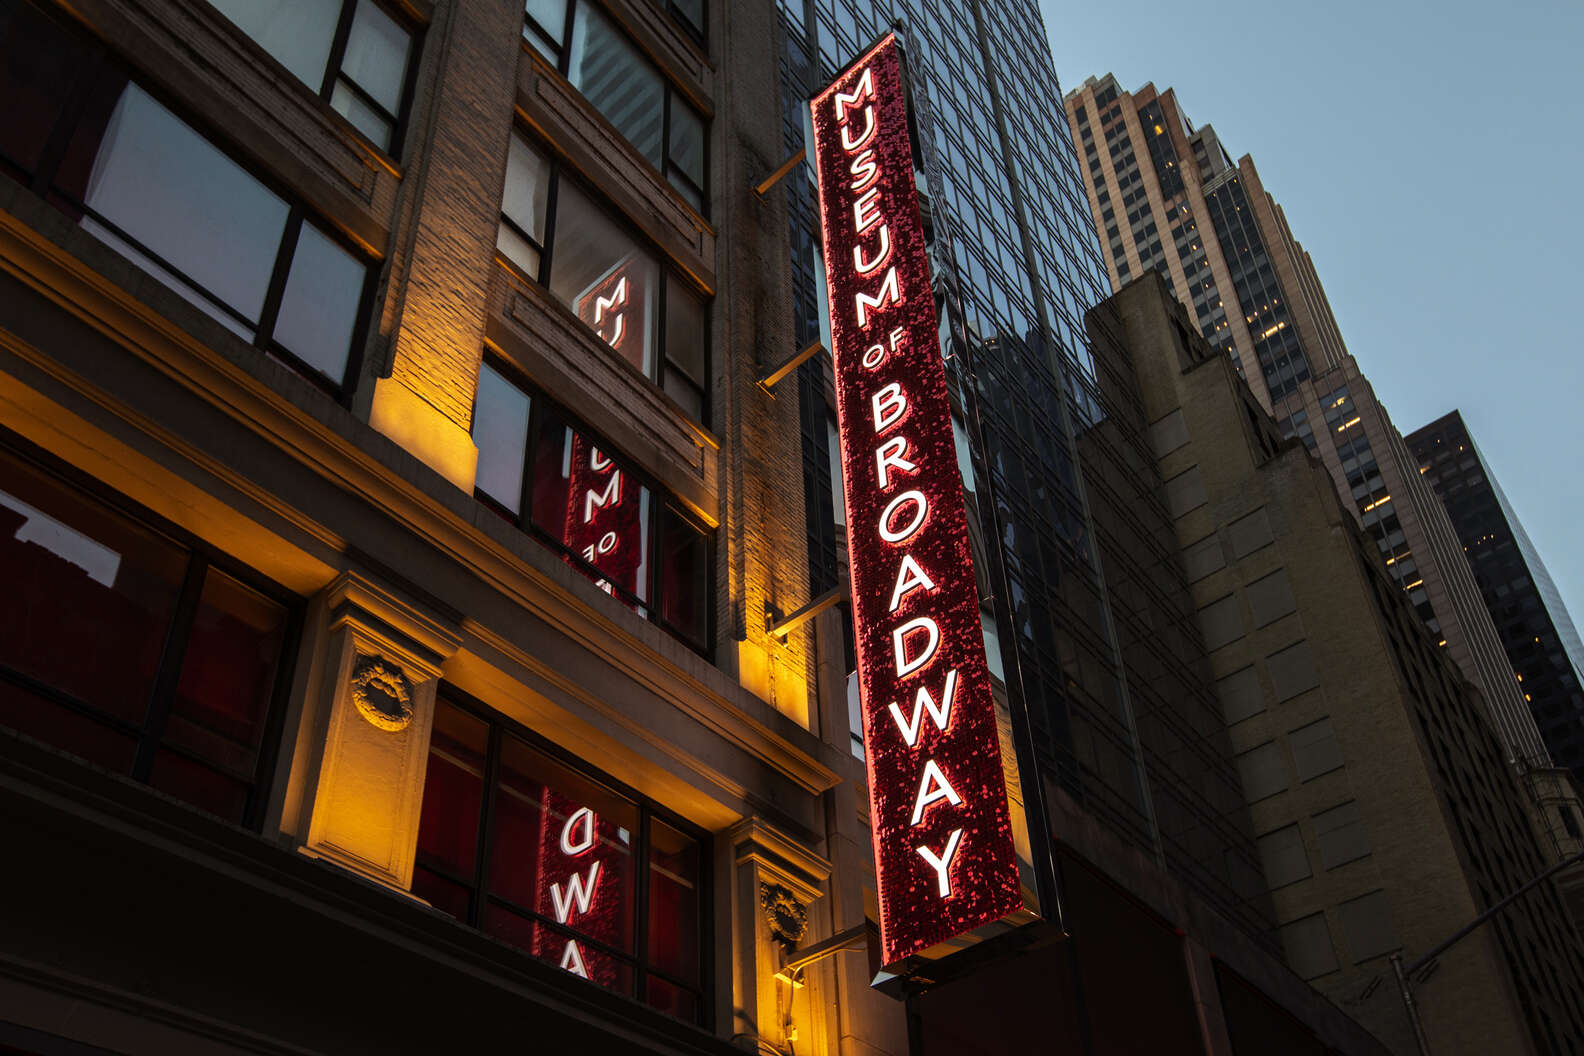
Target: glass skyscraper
{"type": "Point", "coordinates": [1536, 630]}
{"type": "Point", "coordinates": [1082, 593]}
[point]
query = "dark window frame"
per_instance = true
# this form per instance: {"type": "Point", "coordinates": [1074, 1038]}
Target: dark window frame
{"type": "Point", "coordinates": [563, 67]}
{"type": "Point", "coordinates": [103, 64]}
{"type": "Point", "coordinates": [416, 33]}
{"type": "Point", "coordinates": [669, 273]}
{"type": "Point", "coordinates": [479, 897]}
{"type": "Point", "coordinates": [538, 401]}
{"type": "Point", "coordinates": [201, 557]}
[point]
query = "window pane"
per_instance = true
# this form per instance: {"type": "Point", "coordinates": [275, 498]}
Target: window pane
{"type": "Point", "coordinates": [89, 594]}
{"type": "Point", "coordinates": [64, 728]}
{"type": "Point", "coordinates": [365, 118]}
{"type": "Point", "coordinates": [376, 55]}
{"type": "Point", "coordinates": [673, 903]}
{"type": "Point", "coordinates": [561, 948]}
{"type": "Point", "coordinates": [562, 846]}
{"type": "Point", "coordinates": [592, 506]}
{"type": "Point", "coordinates": [684, 577]}
{"type": "Point", "coordinates": [442, 894]}
{"type": "Point", "coordinates": [684, 188]}
{"type": "Point", "coordinates": [672, 1000]}
{"type": "Point", "coordinates": [297, 32]}
{"type": "Point", "coordinates": [204, 787]}
{"type": "Point", "coordinates": [453, 792]}
{"type": "Point", "coordinates": [500, 431]}
{"type": "Point", "coordinates": [551, 16]}
{"type": "Point", "coordinates": [39, 60]}
{"type": "Point", "coordinates": [172, 190]}
{"type": "Point", "coordinates": [689, 398]}
{"type": "Point", "coordinates": [686, 338]}
{"type": "Point", "coordinates": [319, 309]}
{"type": "Point", "coordinates": [692, 11]}
{"type": "Point", "coordinates": [687, 141]}
{"type": "Point", "coordinates": [620, 83]}
{"type": "Point", "coordinates": [602, 276]}
{"type": "Point", "coordinates": [228, 676]}
{"type": "Point", "coordinates": [527, 185]}
{"type": "Point", "coordinates": [518, 250]}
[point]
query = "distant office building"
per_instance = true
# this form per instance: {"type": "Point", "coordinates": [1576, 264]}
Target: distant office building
{"type": "Point", "coordinates": [1385, 811]}
{"type": "Point", "coordinates": [1541, 641]}
{"type": "Point", "coordinates": [1167, 197]}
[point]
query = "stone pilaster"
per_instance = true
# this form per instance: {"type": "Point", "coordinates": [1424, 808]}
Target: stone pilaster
{"type": "Point", "coordinates": [363, 773]}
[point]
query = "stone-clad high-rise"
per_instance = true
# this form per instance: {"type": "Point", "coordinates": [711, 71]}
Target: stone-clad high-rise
{"type": "Point", "coordinates": [1167, 197]}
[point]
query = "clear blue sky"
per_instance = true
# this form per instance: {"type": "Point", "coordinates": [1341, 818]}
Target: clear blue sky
{"type": "Point", "coordinates": [1430, 157]}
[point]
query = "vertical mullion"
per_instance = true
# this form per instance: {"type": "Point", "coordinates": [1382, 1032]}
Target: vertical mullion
{"type": "Point", "coordinates": [338, 45]}
{"type": "Point", "coordinates": [665, 127]}
{"type": "Point", "coordinates": [641, 911]}
{"type": "Point", "coordinates": [525, 498]}
{"type": "Point", "coordinates": [564, 63]}
{"type": "Point", "coordinates": [277, 284]}
{"type": "Point", "coordinates": [485, 843]}
{"type": "Point", "coordinates": [552, 206]}
{"type": "Point", "coordinates": [78, 96]}
{"type": "Point", "coordinates": [661, 350]}
{"type": "Point", "coordinates": [171, 656]}
{"type": "Point", "coordinates": [274, 723]}
{"type": "Point", "coordinates": [656, 548]}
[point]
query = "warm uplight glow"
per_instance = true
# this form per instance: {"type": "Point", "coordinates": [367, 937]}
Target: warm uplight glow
{"type": "Point", "coordinates": [943, 841]}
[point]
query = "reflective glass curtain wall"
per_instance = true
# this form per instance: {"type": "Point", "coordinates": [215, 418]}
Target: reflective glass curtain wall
{"type": "Point", "coordinates": [1092, 617]}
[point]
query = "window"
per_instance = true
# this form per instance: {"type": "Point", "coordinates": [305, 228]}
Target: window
{"type": "Point", "coordinates": [560, 862]}
{"type": "Point", "coordinates": [1315, 749]}
{"type": "Point", "coordinates": [592, 52]}
{"type": "Point", "coordinates": [616, 285]}
{"type": "Point", "coordinates": [553, 479]}
{"type": "Point", "coordinates": [1307, 943]}
{"type": "Point", "coordinates": [141, 653]}
{"type": "Point", "coordinates": [1284, 856]}
{"type": "Point", "coordinates": [352, 53]}
{"type": "Point", "coordinates": [1367, 926]}
{"type": "Point", "coordinates": [1341, 836]}
{"type": "Point", "coordinates": [1262, 771]}
{"type": "Point", "coordinates": [113, 158]}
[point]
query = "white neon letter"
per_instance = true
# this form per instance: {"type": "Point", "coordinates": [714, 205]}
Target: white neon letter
{"type": "Point", "coordinates": [943, 862]}
{"type": "Point", "coordinates": [617, 299]}
{"type": "Point", "coordinates": [892, 453]}
{"type": "Point", "coordinates": [578, 892]}
{"type": "Point", "coordinates": [864, 168]}
{"type": "Point", "coordinates": [940, 713]}
{"type": "Point", "coordinates": [610, 497]}
{"type": "Point", "coordinates": [887, 294]}
{"type": "Point", "coordinates": [599, 461]}
{"type": "Point", "coordinates": [890, 404]}
{"type": "Point", "coordinates": [933, 787]}
{"type": "Point", "coordinates": [895, 535]}
{"type": "Point", "coordinates": [864, 89]}
{"type": "Point", "coordinates": [869, 267]}
{"type": "Point", "coordinates": [866, 210]}
{"type": "Point", "coordinates": [850, 145]}
{"type": "Point", "coordinates": [572, 959]}
{"type": "Point", "coordinates": [910, 577]}
{"type": "Point", "coordinates": [905, 666]}
{"type": "Point", "coordinates": [582, 841]}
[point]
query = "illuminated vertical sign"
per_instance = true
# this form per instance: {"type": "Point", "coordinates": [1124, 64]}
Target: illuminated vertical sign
{"type": "Point", "coordinates": [578, 891]}
{"type": "Point", "coordinates": [604, 524]}
{"type": "Point", "coordinates": [943, 838]}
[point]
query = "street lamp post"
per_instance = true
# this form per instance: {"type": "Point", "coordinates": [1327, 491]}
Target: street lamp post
{"type": "Point", "coordinates": [1405, 975]}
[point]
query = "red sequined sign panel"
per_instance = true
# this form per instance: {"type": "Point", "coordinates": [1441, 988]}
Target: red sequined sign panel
{"type": "Point", "coordinates": [937, 794]}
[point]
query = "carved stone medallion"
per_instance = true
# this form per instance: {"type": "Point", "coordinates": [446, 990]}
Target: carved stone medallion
{"type": "Point", "coordinates": [381, 693]}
